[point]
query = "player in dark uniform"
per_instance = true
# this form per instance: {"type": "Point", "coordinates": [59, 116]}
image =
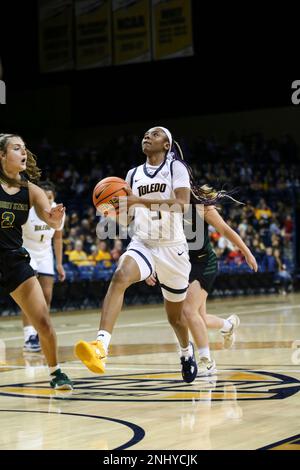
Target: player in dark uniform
{"type": "Point", "coordinates": [203, 273]}
{"type": "Point", "coordinates": [204, 260]}
{"type": "Point", "coordinates": [17, 278]}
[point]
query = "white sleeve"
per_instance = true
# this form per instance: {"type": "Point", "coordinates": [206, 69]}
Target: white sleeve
{"type": "Point", "coordinates": [128, 176]}
{"type": "Point", "coordinates": [181, 177]}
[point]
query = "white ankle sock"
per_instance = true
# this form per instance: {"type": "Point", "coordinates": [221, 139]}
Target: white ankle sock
{"type": "Point", "coordinates": [29, 331]}
{"type": "Point", "coordinates": [53, 369]}
{"type": "Point", "coordinates": [226, 326]}
{"type": "Point", "coordinates": [104, 337]}
{"type": "Point", "coordinates": [204, 352]}
{"type": "Point", "coordinates": [186, 352]}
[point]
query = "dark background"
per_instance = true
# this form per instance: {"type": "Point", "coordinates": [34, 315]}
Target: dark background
{"type": "Point", "coordinates": [236, 66]}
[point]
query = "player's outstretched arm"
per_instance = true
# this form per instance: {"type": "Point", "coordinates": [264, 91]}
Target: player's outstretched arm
{"type": "Point", "coordinates": [213, 218]}
{"type": "Point", "coordinates": [38, 199]}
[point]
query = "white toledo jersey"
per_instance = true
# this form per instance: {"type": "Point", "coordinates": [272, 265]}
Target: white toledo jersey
{"type": "Point", "coordinates": [157, 227]}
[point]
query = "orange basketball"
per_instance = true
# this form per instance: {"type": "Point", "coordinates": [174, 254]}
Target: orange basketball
{"type": "Point", "coordinates": [106, 191]}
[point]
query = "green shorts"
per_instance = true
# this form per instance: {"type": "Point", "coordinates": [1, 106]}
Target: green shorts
{"type": "Point", "coordinates": [204, 269]}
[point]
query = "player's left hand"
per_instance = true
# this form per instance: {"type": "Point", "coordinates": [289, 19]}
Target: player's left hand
{"type": "Point", "coordinates": [56, 213]}
{"type": "Point", "coordinates": [251, 261]}
{"type": "Point", "coordinates": [61, 272]}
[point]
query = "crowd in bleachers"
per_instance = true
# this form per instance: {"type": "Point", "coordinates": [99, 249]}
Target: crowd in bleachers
{"type": "Point", "coordinates": [265, 173]}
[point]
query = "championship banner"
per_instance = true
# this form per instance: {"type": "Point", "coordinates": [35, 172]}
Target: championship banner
{"type": "Point", "coordinates": [55, 35]}
{"type": "Point", "coordinates": [171, 29]}
{"type": "Point", "coordinates": [93, 33]}
{"type": "Point", "coordinates": [131, 22]}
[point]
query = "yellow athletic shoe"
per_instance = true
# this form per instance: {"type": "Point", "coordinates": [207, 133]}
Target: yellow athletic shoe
{"type": "Point", "coordinates": [92, 355]}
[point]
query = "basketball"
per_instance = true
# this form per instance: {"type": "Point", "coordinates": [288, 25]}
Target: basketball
{"type": "Point", "coordinates": [106, 191]}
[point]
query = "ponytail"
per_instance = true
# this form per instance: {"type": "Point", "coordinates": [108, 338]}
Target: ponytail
{"type": "Point", "coordinates": [204, 194]}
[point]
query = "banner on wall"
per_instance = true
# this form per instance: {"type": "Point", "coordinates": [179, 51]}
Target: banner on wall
{"type": "Point", "coordinates": [55, 35]}
{"type": "Point", "coordinates": [93, 33]}
{"type": "Point", "coordinates": [171, 29]}
{"type": "Point", "coordinates": [131, 31]}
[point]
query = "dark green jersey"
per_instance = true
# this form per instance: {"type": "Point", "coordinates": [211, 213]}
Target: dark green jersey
{"type": "Point", "coordinates": [200, 229]}
{"type": "Point", "coordinates": [14, 211]}
{"type": "Point", "coordinates": [203, 258]}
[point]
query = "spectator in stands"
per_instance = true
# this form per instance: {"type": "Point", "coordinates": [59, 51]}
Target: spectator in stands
{"type": "Point", "coordinates": [74, 220]}
{"type": "Point", "coordinates": [104, 254]}
{"type": "Point", "coordinates": [68, 247]}
{"type": "Point", "coordinates": [225, 244]}
{"type": "Point", "coordinates": [263, 211]}
{"type": "Point", "coordinates": [235, 256]}
{"type": "Point", "coordinates": [93, 255]}
{"type": "Point", "coordinates": [261, 245]}
{"type": "Point", "coordinates": [274, 227]}
{"type": "Point", "coordinates": [257, 250]}
{"type": "Point", "coordinates": [288, 227]}
{"type": "Point", "coordinates": [242, 228]}
{"type": "Point", "coordinates": [276, 242]}
{"type": "Point", "coordinates": [85, 227]}
{"type": "Point", "coordinates": [282, 276]}
{"type": "Point", "coordinates": [269, 263]}
{"type": "Point", "coordinates": [78, 256]}
{"type": "Point", "coordinates": [88, 241]}
{"type": "Point", "coordinates": [73, 234]}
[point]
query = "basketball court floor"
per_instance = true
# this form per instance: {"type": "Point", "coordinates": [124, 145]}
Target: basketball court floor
{"type": "Point", "coordinates": [141, 402]}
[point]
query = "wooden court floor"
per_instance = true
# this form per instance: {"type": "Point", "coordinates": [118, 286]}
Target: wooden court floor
{"type": "Point", "coordinates": [141, 402]}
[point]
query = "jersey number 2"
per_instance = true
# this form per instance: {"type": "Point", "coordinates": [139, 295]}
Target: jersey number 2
{"type": "Point", "coordinates": [7, 220]}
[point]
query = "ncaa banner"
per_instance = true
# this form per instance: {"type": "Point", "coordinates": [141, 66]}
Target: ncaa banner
{"type": "Point", "coordinates": [171, 29]}
{"type": "Point", "coordinates": [93, 33]}
{"type": "Point", "coordinates": [55, 35]}
{"type": "Point", "coordinates": [131, 23]}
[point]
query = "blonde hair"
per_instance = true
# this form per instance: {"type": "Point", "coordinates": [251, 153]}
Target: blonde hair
{"type": "Point", "coordinates": [32, 171]}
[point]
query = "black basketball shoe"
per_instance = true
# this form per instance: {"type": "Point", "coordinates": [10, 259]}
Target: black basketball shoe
{"type": "Point", "coordinates": [189, 367]}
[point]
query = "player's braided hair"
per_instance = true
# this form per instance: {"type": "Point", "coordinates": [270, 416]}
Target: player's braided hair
{"type": "Point", "coordinates": [203, 194]}
{"type": "Point", "coordinates": [32, 171]}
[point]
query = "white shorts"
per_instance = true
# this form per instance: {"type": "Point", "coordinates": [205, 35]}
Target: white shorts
{"type": "Point", "coordinates": [171, 264]}
{"type": "Point", "coordinates": [42, 263]}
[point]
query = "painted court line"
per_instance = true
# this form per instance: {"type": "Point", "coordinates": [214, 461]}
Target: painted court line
{"type": "Point", "coordinates": [164, 322]}
{"type": "Point", "coordinates": [85, 330]}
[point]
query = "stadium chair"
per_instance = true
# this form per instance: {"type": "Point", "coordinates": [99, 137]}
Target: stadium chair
{"type": "Point", "coordinates": [103, 273]}
{"type": "Point", "coordinates": [86, 273]}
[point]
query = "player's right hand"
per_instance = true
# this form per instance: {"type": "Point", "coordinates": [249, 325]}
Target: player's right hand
{"type": "Point", "coordinates": [128, 190]}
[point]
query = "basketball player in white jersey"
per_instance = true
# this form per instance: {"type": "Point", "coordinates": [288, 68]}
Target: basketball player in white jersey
{"type": "Point", "coordinates": [37, 239]}
{"type": "Point", "coordinates": [160, 191]}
